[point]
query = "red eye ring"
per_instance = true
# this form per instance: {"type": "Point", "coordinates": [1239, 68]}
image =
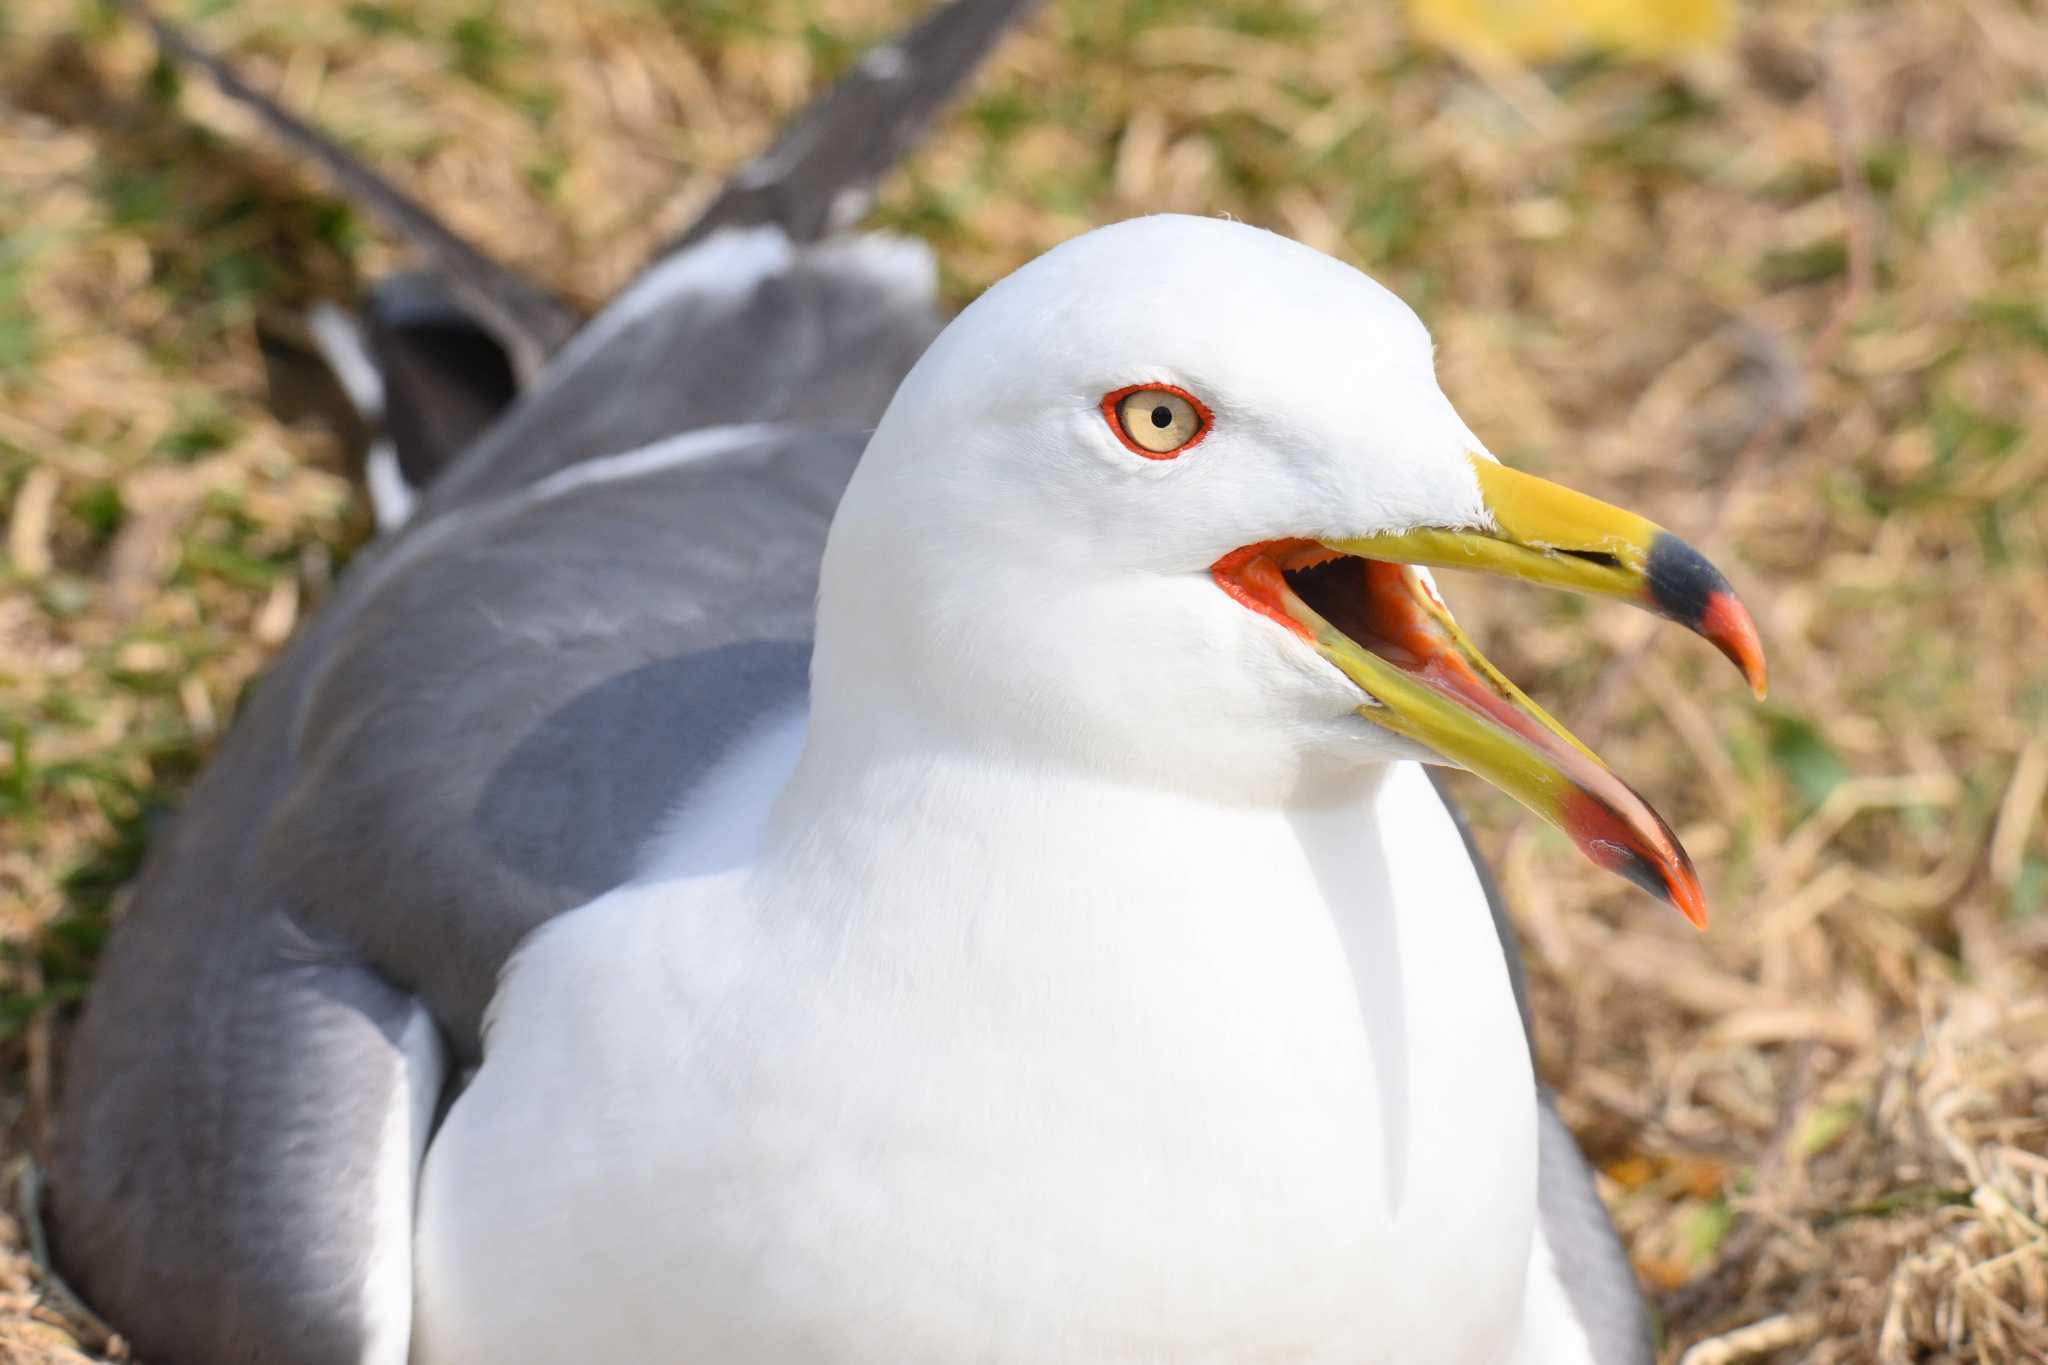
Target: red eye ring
{"type": "Point", "coordinates": [1113, 399]}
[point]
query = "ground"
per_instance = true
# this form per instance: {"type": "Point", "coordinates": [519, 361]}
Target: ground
{"type": "Point", "coordinates": [1784, 294]}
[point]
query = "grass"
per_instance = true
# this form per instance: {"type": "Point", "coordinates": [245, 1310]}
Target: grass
{"type": "Point", "coordinates": [1823, 1127]}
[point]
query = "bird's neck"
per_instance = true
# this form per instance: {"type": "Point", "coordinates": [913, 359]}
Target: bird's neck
{"type": "Point", "coordinates": [1152, 681]}
{"type": "Point", "coordinates": [963, 866]}
{"type": "Point", "coordinates": [881, 764]}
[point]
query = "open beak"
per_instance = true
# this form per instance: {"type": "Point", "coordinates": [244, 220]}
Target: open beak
{"type": "Point", "coordinates": [1364, 606]}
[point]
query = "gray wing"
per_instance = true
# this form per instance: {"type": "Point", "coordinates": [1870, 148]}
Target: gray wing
{"type": "Point", "coordinates": [486, 729]}
{"type": "Point", "coordinates": [469, 739]}
{"type": "Point", "coordinates": [237, 1087]}
{"type": "Point", "coordinates": [1594, 1269]}
{"type": "Point", "coordinates": [746, 328]}
{"type": "Point", "coordinates": [473, 739]}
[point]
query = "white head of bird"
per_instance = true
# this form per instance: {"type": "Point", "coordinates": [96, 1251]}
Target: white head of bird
{"type": "Point", "coordinates": [1155, 507]}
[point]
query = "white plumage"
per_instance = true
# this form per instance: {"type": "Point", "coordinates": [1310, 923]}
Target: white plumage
{"type": "Point", "coordinates": [1098, 986]}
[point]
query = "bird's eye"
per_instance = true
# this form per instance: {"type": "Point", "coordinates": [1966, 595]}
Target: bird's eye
{"type": "Point", "coordinates": [1156, 421]}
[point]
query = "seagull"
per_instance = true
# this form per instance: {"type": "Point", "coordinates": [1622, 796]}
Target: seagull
{"type": "Point", "coordinates": [821, 838]}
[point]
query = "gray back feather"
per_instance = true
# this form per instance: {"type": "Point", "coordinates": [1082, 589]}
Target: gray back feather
{"type": "Point", "coordinates": [475, 735]}
{"type": "Point", "coordinates": [520, 692]}
{"type": "Point", "coordinates": [746, 328]}
{"type": "Point", "coordinates": [471, 737]}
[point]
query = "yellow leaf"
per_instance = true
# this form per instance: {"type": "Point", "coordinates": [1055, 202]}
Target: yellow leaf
{"type": "Point", "coordinates": [1536, 30]}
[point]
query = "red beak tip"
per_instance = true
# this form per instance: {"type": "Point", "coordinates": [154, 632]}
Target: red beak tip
{"type": "Point", "coordinates": [1677, 887]}
{"type": "Point", "coordinates": [1682, 888]}
{"type": "Point", "coordinates": [1728, 624]}
{"type": "Point", "coordinates": [1647, 854]}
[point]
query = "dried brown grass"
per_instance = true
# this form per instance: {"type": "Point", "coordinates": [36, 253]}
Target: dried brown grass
{"type": "Point", "coordinates": [1823, 1127]}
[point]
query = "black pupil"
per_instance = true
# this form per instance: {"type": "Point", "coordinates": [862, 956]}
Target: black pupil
{"type": "Point", "coordinates": [1162, 416]}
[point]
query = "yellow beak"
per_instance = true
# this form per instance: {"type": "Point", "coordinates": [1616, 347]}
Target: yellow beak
{"type": "Point", "coordinates": [1363, 606]}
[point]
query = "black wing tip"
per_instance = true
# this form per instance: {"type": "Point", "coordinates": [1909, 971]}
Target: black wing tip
{"type": "Point", "coordinates": [819, 173]}
{"type": "Point", "coordinates": [531, 322]}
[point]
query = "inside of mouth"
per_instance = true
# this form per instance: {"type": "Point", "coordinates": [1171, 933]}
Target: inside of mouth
{"type": "Point", "coordinates": [1389, 610]}
{"type": "Point", "coordinates": [1378, 607]}
{"type": "Point", "coordinates": [1370, 602]}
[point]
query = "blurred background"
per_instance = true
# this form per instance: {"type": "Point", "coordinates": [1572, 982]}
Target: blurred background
{"type": "Point", "coordinates": [1775, 274]}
